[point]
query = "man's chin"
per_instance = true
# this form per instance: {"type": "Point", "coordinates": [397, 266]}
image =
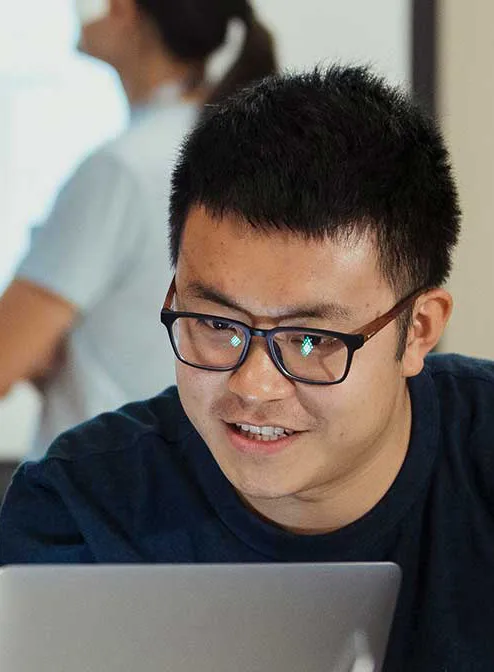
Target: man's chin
{"type": "Point", "coordinates": [82, 46]}
{"type": "Point", "coordinates": [255, 491]}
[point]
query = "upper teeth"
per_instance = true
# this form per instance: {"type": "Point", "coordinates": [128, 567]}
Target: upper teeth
{"type": "Point", "coordinates": [265, 430]}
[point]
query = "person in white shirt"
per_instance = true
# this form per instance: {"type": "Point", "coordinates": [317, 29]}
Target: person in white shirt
{"type": "Point", "coordinates": [81, 317]}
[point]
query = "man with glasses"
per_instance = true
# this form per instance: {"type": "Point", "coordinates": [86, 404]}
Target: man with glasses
{"type": "Point", "coordinates": [312, 221]}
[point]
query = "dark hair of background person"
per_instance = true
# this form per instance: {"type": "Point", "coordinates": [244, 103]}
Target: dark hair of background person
{"type": "Point", "coordinates": [192, 30]}
{"type": "Point", "coordinates": [330, 153]}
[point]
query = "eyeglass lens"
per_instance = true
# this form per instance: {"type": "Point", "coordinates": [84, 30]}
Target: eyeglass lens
{"type": "Point", "coordinates": [220, 344]}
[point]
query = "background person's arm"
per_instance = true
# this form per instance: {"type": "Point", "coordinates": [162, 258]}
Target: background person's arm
{"type": "Point", "coordinates": [33, 324]}
{"type": "Point", "coordinates": [73, 258]}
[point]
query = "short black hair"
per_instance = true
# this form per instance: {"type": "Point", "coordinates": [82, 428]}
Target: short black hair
{"type": "Point", "coordinates": [329, 153]}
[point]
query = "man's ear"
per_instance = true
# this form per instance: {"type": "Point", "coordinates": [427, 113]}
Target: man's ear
{"type": "Point", "coordinates": [430, 315]}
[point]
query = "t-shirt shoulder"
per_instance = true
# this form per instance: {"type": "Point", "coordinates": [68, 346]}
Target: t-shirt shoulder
{"type": "Point", "coordinates": [159, 419]}
{"type": "Point", "coordinates": [461, 366]}
{"type": "Point", "coordinates": [465, 390]}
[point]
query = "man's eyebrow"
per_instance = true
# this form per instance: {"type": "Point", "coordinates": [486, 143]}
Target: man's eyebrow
{"type": "Point", "coordinates": [322, 311]}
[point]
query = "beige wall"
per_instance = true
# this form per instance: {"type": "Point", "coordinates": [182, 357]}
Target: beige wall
{"type": "Point", "coordinates": [466, 109]}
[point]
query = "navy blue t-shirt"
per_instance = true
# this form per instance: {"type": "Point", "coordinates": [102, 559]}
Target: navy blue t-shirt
{"type": "Point", "coordinates": [140, 485]}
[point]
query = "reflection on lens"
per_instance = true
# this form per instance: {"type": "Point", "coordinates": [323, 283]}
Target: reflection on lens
{"type": "Point", "coordinates": [307, 347]}
{"type": "Point", "coordinates": [235, 341]}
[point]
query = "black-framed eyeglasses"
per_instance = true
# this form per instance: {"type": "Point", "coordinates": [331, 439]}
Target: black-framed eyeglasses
{"type": "Point", "coordinates": [306, 355]}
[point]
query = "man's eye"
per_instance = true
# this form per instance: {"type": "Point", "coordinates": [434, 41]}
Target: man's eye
{"type": "Point", "coordinates": [220, 326]}
{"type": "Point", "coordinates": [314, 340]}
{"type": "Point", "coordinates": [216, 325]}
{"type": "Point", "coordinates": [324, 345]}
{"type": "Point", "coordinates": [307, 340]}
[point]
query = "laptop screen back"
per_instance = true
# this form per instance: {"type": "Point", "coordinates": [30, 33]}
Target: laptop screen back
{"type": "Point", "coordinates": [196, 618]}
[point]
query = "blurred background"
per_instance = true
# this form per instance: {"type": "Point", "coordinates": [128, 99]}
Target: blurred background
{"type": "Point", "coordinates": [441, 49]}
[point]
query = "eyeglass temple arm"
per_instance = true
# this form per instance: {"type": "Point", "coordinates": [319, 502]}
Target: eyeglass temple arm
{"type": "Point", "coordinates": [380, 322]}
{"type": "Point", "coordinates": [169, 295]}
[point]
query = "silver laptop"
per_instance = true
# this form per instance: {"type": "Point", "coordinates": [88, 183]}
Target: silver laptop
{"type": "Point", "coordinates": [196, 618]}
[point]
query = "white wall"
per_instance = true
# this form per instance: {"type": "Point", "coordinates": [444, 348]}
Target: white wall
{"type": "Point", "coordinates": [374, 32]}
{"type": "Point", "coordinates": [466, 106]}
{"type": "Point", "coordinates": [309, 32]}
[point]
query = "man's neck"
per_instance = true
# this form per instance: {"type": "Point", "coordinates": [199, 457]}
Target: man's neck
{"type": "Point", "coordinates": [350, 496]}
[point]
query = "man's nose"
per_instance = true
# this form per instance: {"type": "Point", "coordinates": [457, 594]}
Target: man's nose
{"type": "Point", "coordinates": [258, 379]}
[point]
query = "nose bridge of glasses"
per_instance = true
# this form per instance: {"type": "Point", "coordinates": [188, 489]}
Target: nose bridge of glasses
{"type": "Point", "coordinates": [269, 347]}
{"type": "Point", "coordinates": [254, 333]}
{"type": "Point", "coordinates": [261, 333]}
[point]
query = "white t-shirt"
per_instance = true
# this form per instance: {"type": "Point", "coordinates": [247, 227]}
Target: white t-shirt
{"type": "Point", "coordinates": [104, 248]}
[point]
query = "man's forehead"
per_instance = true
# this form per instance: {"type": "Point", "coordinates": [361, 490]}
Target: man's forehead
{"type": "Point", "coordinates": [202, 224]}
{"type": "Point", "coordinates": [195, 289]}
{"type": "Point", "coordinates": [226, 260]}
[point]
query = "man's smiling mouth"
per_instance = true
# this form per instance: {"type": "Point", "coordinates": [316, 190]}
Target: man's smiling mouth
{"type": "Point", "coordinates": [262, 433]}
